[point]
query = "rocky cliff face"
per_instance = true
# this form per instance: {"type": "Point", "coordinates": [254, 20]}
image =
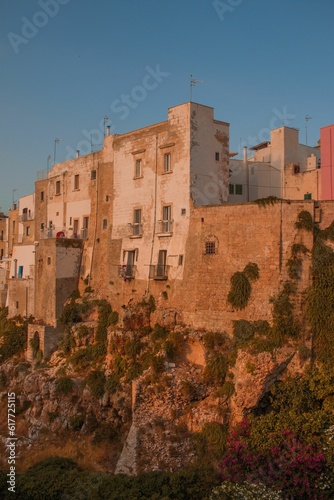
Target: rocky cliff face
{"type": "Point", "coordinates": [137, 400]}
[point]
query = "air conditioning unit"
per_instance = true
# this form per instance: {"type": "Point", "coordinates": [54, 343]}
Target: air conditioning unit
{"type": "Point", "coordinates": [296, 169]}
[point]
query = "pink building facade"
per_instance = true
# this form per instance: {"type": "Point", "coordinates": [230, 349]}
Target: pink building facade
{"type": "Point", "coordinates": [327, 162]}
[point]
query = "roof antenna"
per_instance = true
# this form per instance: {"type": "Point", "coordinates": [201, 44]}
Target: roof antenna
{"type": "Point", "coordinates": [307, 118]}
{"type": "Point", "coordinates": [193, 82]}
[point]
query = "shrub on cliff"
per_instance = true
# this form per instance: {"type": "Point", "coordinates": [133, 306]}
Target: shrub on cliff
{"type": "Point", "coordinates": [13, 335]}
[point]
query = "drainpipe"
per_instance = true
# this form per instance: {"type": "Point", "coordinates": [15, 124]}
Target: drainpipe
{"type": "Point", "coordinates": [155, 211]}
{"type": "Point", "coordinates": [95, 227]}
{"type": "Point", "coordinates": [246, 171]}
{"type": "Point", "coordinates": [15, 268]}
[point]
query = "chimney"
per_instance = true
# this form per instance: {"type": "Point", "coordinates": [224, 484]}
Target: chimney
{"type": "Point", "coordinates": [108, 129]}
{"type": "Point", "coordinates": [77, 154]}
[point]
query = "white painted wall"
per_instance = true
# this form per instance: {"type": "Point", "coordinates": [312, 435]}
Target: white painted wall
{"type": "Point", "coordinates": [25, 255]}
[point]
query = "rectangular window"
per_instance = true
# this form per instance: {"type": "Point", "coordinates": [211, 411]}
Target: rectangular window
{"type": "Point", "coordinates": [138, 168]}
{"type": "Point", "coordinates": [166, 219]}
{"type": "Point", "coordinates": [161, 271]}
{"type": "Point", "coordinates": [28, 231]}
{"type": "Point", "coordinates": [217, 156]}
{"type": "Point", "coordinates": [42, 196]}
{"type": "Point", "coordinates": [75, 228]}
{"type": "Point", "coordinates": [104, 223]}
{"type": "Point", "coordinates": [231, 189]}
{"type": "Point", "coordinates": [93, 175]}
{"type": "Point", "coordinates": [167, 163]}
{"type": "Point", "coordinates": [210, 247]}
{"type": "Point", "coordinates": [308, 196]}
{"type": "Point", "coordinates": [57, 187]}
{"type": "Point", "coordinates": [180, 260]}
{"type": "Point", "coordinates": [137, 222]}
{"type": "Point", "coordinates": [238, 189]}
{"type": "Point", "coordinates": [130, 264]}
{"type": "Point", "coordinates": [76, 181]}
{"type": "Point", "coordinates": [183, 211]}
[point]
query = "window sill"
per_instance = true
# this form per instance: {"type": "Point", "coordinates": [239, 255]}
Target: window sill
{"type": "Point", "coordinates": [135, 236]}
{"type": "Point", "coordinates": [162, 235]}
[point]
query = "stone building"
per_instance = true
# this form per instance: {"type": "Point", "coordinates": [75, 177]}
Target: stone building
{"type": "Point", "coordinates": [148, 214]}
{"type": "Point", "coordinates": [280, 167]}
{"type": "Point", "coordinates": [4, 261]}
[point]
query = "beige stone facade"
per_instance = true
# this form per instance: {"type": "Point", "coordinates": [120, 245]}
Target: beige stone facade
{"type": "Point", "coordinates": [149, 215]}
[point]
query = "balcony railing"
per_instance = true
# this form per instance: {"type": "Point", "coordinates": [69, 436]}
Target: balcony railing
{"type": "Point", "coordinates": [61, 233]}
{"type": "Point", "coordinates": [136, 229]}
{"type": "Point", "coordinates": [26, 217]}
{"type": "Point", "coordinates": [165, 227]}
{"type": "Point", "coordinates": [127, 271]}
{"type": "Point", "coordinates": [159, 271]}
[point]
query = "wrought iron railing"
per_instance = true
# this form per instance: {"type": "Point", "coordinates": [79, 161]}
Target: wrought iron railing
{"type": "Point", "coordinates": [136, 229]}
{"type": "Point", "coordinates": [127, 271]}
{"type": "Point", "coordinates": [159, 271]}
{"type": "Point", "coordinates": [165, 227]}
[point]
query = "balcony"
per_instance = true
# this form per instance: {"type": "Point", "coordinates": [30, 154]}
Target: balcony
{"type": "Point", "coordinates": [135, 230]}
{"type": "Point", "coordinates": [165, 227]}
{"type": "Point", "coordinates": [159, 271]}
{"type": "Point", "coordinates": [58, 232]}
{"type": "Point", "coordinates": [26, 217]}
{"type": "Point", "coordinates": [127, 271]}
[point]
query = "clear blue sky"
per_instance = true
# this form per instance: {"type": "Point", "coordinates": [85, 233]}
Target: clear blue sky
{"type": "Point", "coordinates": [67, 65]}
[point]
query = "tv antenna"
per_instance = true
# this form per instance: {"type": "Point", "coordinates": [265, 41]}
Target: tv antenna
{"type": "Point", "coordinates": [307, 118]}
{"type": "Point", "coordinates": [193, 82]}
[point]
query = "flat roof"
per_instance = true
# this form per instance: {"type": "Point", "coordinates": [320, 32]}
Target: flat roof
{"type": "Point", "coordinates": [261, 145]}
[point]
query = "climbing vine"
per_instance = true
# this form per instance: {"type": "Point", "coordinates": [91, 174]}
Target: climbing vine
{"type": "Point", "coordinates": [320, 299]}
{"type": "Point", "coordinates": [270, 200]}
{"type": "Point", "coordinates": [241, 287]}
{"type": "Point", "coordinates": [295, 262]}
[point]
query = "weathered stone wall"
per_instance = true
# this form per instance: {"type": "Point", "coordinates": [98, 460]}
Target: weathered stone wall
{"type": "Point", "coordinates": [57, 274]}
{"type": "Point", "coordinates": [48, 340]}
{"type": "Point", "coordinates": [21, 297]}
{"type": "Point", "coordinates": [242, 234]}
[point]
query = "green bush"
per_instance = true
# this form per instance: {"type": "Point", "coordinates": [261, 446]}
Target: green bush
{"type": "Point", "coordinates": [112, 384]}
{"type": "Point", "coordinates": [71, 313]}
{"type": "Point", "coordinates": [96, 381]}
{"type": "Point", "coordinates": [216, 369]}
{"type": "Point", "coordinates": [211, 340]}
{"type": "Point", "coordinates": [105, 432]}
{"type": "Point", "coordinates": [213, 436]}
{"type": "Point", "coordinates": [158, 333]}
{"type": "Point", "coordinates": [76, 422]}
{"type": "Point", "coordinates": [64, 385]}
